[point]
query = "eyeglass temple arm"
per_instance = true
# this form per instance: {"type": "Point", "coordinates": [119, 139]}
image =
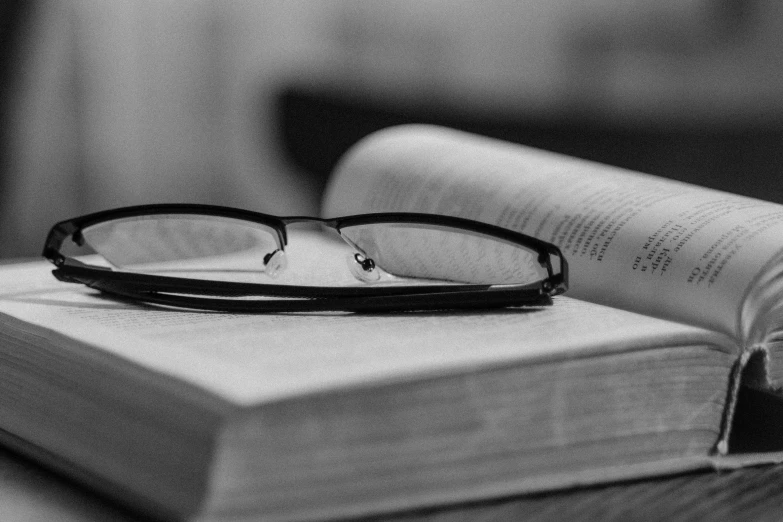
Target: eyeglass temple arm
{"type": "Point", "coordinates": [100, 278]}
{"type": "Point", "coordinates": [494, 298]}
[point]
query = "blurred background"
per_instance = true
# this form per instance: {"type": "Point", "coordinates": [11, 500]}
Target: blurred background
{"type": "Point", "coordinates": [250, 103]}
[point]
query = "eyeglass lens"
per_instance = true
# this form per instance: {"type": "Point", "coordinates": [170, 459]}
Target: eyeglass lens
{"type": "Point", "coordinates": [210, 247]}
{"type": "Point", "coordinates": [445, 253]}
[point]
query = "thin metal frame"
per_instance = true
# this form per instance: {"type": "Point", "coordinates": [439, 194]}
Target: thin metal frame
{"type": "Point", "coordinates": [201, 294]}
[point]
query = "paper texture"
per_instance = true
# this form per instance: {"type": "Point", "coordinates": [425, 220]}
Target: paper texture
{"type": "Point", "coordinates": [254, 358]}
{"type": "Point", "coordinates": [633, 241]}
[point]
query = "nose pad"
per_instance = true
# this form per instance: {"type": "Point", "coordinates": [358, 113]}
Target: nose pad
{"type": "Point", "coordinates": [275, 263]}
{"type": "Point", "coordinates": [363, 268]}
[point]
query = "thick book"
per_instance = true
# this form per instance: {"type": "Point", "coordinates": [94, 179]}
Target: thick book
{"type": "Point", "coordinates": [675, 306]}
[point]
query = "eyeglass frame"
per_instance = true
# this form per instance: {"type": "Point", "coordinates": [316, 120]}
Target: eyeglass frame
{"type": "Point", "coordinates": [168, 291]}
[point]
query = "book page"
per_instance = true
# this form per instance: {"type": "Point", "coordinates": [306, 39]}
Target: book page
{"type": "Point", "coordinates": [249, 358]}
{"type": "Point", "coordinates": [633, 241]}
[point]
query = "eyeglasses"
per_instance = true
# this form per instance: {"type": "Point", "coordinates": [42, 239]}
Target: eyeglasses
{"type": "Point", "coordinates": [205, 257]}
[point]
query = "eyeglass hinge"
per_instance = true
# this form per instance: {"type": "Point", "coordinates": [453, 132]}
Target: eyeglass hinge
{"type": "Point", "coordinates": [78, 238]}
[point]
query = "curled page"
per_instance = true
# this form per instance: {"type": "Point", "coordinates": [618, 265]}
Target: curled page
{"type": "Point", "coordinates": [633, 241]}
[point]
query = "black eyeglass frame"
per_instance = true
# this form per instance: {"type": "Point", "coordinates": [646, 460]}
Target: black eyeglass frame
{"type": "Point", "coordinates": [202, 294]}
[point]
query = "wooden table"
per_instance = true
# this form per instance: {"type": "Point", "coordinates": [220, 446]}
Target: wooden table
{"type": "Point", "coordinates": [30, 493]}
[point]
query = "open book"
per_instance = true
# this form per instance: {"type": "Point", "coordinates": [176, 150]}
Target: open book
{"type": "Point", "coordinates": [674, 300]}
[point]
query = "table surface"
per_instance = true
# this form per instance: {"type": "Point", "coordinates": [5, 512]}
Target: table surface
{"type": "Point", "coordinates": [29, 492]}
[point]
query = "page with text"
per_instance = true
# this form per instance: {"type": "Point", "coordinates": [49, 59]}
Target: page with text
{"type": "Point", "coordinates": [633, 241]}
